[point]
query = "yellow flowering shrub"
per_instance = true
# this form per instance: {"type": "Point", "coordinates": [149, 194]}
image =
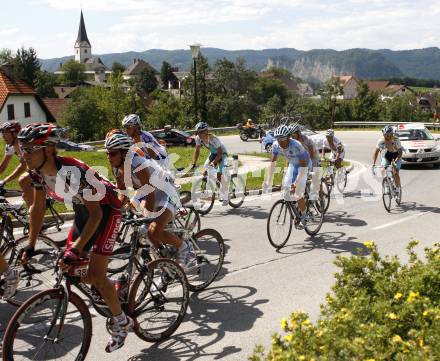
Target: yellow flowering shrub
{"type": "Point", "coordinates": [379, 309]}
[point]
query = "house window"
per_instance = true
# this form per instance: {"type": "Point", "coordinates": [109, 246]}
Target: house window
{"type": "Point", "coordinates": [85, 51]}
{"type": "Point", "coordinates": [11, 115]}
{"type": "Point", "coordinates": [27, 110]}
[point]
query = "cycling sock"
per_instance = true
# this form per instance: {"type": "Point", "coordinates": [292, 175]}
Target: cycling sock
{"type": "Point", "coordinates": [120, 319]}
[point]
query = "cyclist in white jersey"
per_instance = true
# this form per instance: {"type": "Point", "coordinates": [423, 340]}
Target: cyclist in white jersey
{"type": "Point", "coordinates": [392, 151]}
{"type": "Point", "coordinates": [155, 194]}
{"type": "Point", "coordinates": [295, 178]}
{"type": "Point", "coordinates": [10, 131]}
{"type": "Point", "coordinates": [336, 147]}
{"type": "Point", "coordinates": [309, 145]}
{"type": "Point", "coordinates": [147, 142]}
{"type": "Point", "coordinates": [217, 157]}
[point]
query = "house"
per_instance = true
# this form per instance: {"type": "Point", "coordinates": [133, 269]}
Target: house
{"type": "Point", "coordinates": [290, 82]}
{"type": "Point", "coordinates": [349, 86]}
{"type": "Point", "coordinates": [427, 102]}
{"type": "Point", "coordinates": [95, 69]}
{"type": "Point", "coordinates": [378, 85]}
{"type": "Point", "coordinates": [135, 69]}
{"type": "Point", "coordinates": [64, 91]}
{"type": "Point", "coordinates": [19, 101]}
{"type": "Point", "coordinates": [305, 90]}
{"type": "Point", "coordinates": [56, 106]}
{"type": "Point", "coordinates": [397, 89]}
{"type": "Point", "coordinates": [175, 83]}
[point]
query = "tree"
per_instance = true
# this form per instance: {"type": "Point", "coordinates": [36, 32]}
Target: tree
{"type": "Point", "coordinates": [26, 65]}
{"type": "Point", "coordinates": [147, 80]}
{"type": "Point", "coordinates": [73, 73]}
{"type": "Point", "coordinates": [6, 56]}
{"type": "Point", "coordinates": [166, 74]}
{"type": "Point", "coordinates": [365, 104]}
{"type": "Point", "coordinates": [117, 68]}
{"type": "Point", "coordinates": [329, 93]}
{"type": "Point", "coordinates": [44, 84]}
{"type": "Point", "coordinates": [168, 109]}
{"type": "Point", "coordinates": [265, 89]}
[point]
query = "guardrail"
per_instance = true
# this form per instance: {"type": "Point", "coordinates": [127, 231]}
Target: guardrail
{"type": "Point", "coordinates": [373, 124]}
{"type": "Point", "coordinates": [191, 131]}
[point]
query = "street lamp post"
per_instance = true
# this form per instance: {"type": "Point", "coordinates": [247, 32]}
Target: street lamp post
{"type": "Point", "coordinates": [195, 51]}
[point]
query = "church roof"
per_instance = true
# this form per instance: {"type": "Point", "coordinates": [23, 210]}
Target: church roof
{"type": "Point", "coordinates": [82, 33]}
{"type": "Point", "coordinates": [95, 63]}
{"type": "Point", "coordinates": [137, 67]}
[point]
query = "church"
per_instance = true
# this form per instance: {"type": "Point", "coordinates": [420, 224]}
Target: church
{"type": "Point", "coordinates": [95, 70]}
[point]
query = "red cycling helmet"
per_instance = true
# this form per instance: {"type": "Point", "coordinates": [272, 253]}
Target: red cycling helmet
{"type": "Point", "coordinates": [39, 134]}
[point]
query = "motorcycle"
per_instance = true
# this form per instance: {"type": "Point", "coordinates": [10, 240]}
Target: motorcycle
{"type": "Point", "coordinates": [256, 132]}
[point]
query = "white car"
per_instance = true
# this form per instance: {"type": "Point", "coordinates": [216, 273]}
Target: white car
{"type": "Point", "coordinates": [420, 146]}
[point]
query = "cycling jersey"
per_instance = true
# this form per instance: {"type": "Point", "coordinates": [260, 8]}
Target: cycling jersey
{"type": "Point", "coordinates": [213, 144]}
{"type": "Point", "coordinates": [165, 193]}
{"type": "Point", "coordinates": [390, 151]}
{"type": "Point", "coordinates": [294, 152]}
{"type": "Point", "coordinates": [76, 182]}
{"type": "Point", "coordinates": [10, 150]}
{"type": "Point", "coordinates": [309, 145]}
{"type": "Point", "coordinates": [161, 153]}
{"type": "Point", "coordinates": [337, 148]}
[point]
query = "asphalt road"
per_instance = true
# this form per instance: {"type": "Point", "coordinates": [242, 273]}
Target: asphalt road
{"type": "Point", "coordinates": [259, 286]}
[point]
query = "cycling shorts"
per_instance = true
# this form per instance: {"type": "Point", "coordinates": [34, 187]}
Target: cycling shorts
{"type": "Point", "coordinates": [104, 238]}
{"type": "Point", "coordinates": [291, 177]}
{"type": "Point", "coordinates": [221, 165]}
{"type": "Point", "coordinates": [389, 157]}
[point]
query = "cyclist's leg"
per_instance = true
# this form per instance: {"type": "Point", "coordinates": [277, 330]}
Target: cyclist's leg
{"type": "Point", "coordinates": [397, 167]}
{"type": "Point", "coordinates": [157, 233]}
{"type": "Point", "coordinates": [11, 278]}
{"type": "Point", "coordinates": [301, 182]}
{"type": "Point", "coordinates": [221, 177]}
{"type": "Point", "coordinates": [25, 183]}
{"type": "Point", "coordinates": [339, 160]}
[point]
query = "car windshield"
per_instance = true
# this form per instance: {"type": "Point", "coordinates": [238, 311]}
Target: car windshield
{"type": "Point", "coordinates": [415, 134]}
{"type": "Point", "coordinates": [180, 132]}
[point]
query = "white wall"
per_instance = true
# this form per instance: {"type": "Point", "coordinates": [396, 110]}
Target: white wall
{"type": "Point", "coordinates": [37, 113]}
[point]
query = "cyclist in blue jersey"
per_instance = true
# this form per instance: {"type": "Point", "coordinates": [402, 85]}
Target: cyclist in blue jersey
{"type": "Point", "coordinates": [148, 143]}
{"type": "Point", "coordinates": [217, 157]}
{"type": "Point", "coordinates": [298, 159]}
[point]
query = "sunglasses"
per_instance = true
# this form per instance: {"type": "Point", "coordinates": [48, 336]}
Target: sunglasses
{"type": "Point", "coordinates": [31, 149]}
{"type": "Point", "coordinates": [113, 153]}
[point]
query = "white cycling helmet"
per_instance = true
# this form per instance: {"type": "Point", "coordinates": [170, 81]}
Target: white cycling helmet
{"type": "Point", "coordinates": [330, 133]}
{"type": "Point", "coordinates": [294, 128]}
{"type": "Point", "coordinates": [118, 141]}
{"type": "Point", "coordinates": [388, 129]}
{"type": "Point", "coordinates": [282, 131]}
{"type": "Point", "coordinates": [131, 119]}
{"type": "Point", "coordinates": [200, 126]}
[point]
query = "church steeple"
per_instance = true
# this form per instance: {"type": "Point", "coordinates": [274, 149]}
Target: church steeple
{"type": "Point", "coordinates": [83, 49]}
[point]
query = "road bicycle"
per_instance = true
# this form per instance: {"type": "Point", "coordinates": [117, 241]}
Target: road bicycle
{"type": "Point", "coordinates": [56, 323]}
{"type": "Point", "coordinates": [334, 176]}
{"type": "Point", "coordinates": [285, 214]}
{"type": "Point", "coordinates": [390, 190]}
{"type": "Point", "coordinates": [204, 189]}
{"type": "Point", "coordinates": [208, 245]}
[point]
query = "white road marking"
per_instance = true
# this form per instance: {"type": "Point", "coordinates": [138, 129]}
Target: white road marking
{"type": "Point", "coordinates": [402, 220]}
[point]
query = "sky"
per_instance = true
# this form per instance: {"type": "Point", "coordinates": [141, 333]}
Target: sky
{"type": "Point", "coordinates": [113, 26]}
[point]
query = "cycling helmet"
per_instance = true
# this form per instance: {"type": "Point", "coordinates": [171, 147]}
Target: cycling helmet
{"type": "Point", "coordinates": [330, 133]}
{"type": "Point", "coordinates": [10, 126]}
{"type": "Point", "coordinates": [388, 129]}
{"type": "Point", "coordinates": [131, 119]}
{"type": "Point", "coordinates": [39, 134]}
{"type": "Point", "coordinates": [282, 131]}
{"type": "Point", "coordinates": [114, 131]}
{"type": "Point", "coordinates": [118, 141]}
{"type": "Point", "coordinates": [294, 128]}
{"type": "Point", "coordinates": [200, 126]}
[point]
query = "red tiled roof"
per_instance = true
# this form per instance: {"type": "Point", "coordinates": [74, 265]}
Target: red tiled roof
{"type": "Point", "coordinates": [12, 86]}
{"type": "Point", "coordinates": [378, 84]}
{"type": "Point", "coordinates": [56, 106]}
{"type": "Point", "coordinates": [344, 79]}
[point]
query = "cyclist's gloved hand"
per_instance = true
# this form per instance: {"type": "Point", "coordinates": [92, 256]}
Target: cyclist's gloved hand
{"type": "Point", "coordinates": [71, 256]}
{"type": "Point", "coordinates": [27, 253]}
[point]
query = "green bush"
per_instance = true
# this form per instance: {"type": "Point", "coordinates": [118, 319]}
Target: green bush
{"type": "Point", "coordinates": [380, 309]}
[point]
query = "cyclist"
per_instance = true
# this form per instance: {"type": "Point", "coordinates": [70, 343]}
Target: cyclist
{"type": "Point", "coordinates": [97, 215]}
{"type": "Point", "coordinates": [10, 131]}
{"type": "Point", "coordinates": [155, 191]}
{"type": "Point", "coordinates": [11, 278]}
{"type": "Point", "coordinates": [133, 126]}
{"type": "Point", "coordinates": [392, 152]}
{"type": "Point", "coordinates": [336, 147]}
{"type": "Point", "coordinates": [309, 145]}
{"type": "Point", "coordinates": [295, 178]}
{"type": "Point", "coordinates": [216, 159]}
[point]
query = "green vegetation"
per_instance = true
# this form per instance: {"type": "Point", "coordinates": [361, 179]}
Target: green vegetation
{"type": "Point", "coordinates": [380, 309]}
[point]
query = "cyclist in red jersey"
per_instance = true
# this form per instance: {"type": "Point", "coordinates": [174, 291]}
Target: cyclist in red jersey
{"type": "Point", "coordinates": [97, 214]}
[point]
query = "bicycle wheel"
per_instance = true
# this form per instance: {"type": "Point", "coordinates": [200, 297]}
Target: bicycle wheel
{"type": "Point", "coordinates": [39, 274]}
{"type": "Point", "coordinates": [188, 218]}
{"type": "Point", "coordinates": [237, 191]}
{"type": "Point", "coordinates": [341, 179]}
{"type": "Point", "coordinates": [279, 224]}
{"type": "Point", "coordinates": [35, 332]}
{"type": "Point", "coordinates": [203, 195]}
{"type": "Point", "coordinates": [209, 248]}
{"type": "Point", "coordinates": [324, 194]}
{"type": "Point", "coordinates": [158, 300]}
{"type": "Point", "coordinates": [119, 259]}
{"type": "Point", "coordinates": [315, 217]}
{"type": "Point", "coordinates": [386, 194]}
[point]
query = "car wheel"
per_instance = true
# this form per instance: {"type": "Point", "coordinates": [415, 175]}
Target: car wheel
{"type": "Point", "coordinates": [436, 165]}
